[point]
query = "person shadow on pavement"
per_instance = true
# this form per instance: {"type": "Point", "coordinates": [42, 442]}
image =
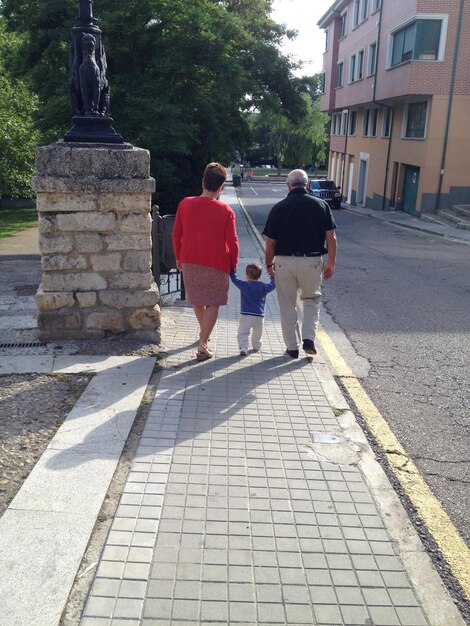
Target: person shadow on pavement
{"type": "Point", "coordinates": [207, 386]}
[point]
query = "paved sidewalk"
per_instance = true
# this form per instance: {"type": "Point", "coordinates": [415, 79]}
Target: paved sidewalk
{"type": "Point", "coordinates": [239, 511]}
{"type": "Point", "coordinates": [400, 218]}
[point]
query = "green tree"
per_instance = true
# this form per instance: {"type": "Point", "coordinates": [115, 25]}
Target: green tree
{"type": "Point", "coordinates": [292, 141]}
{"type": "Point", "coordinates": [41, 57]}
{"type": "Point", "coordinates": [182, 74]}
{"type": "Point", "coordinates": [18, 135]}
{"type": "Point", "coordinates": [309, 137]}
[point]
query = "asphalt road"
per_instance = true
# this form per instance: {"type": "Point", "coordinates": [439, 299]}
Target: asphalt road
{"type": "Point", "coordinates": [403, 300]}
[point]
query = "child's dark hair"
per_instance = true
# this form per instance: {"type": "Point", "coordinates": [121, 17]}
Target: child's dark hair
{"type": "Point", "coordinates": [254, 271]}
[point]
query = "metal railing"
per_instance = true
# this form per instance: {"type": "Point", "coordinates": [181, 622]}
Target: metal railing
{"type": "Point", "coordinates": [165, 273]}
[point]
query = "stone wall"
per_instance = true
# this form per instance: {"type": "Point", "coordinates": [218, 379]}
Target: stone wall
{"type": "Point", "coordinates": [94, 203]}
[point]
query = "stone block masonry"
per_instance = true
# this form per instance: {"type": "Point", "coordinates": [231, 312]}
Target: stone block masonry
{"type": "Point", "coordinates": [94, 203]}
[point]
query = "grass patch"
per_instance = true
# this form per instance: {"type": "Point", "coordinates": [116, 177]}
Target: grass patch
{"type": "Point", "coordinates": [14, 219]}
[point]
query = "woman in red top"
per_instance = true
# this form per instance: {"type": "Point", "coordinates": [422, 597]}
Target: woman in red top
{"type": "Point", "coordinates": [206, 249]}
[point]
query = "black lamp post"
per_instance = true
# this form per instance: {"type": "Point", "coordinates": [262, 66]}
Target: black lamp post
{"type": "Point", "coordinates": [89, 88]}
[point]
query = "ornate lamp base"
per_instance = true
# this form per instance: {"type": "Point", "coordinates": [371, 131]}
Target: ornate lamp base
{"type": "Point", "coordinates": [92, 129]}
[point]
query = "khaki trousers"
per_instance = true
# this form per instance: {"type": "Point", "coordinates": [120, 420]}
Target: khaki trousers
{"type": "Point", "coordinates": [298, 277]}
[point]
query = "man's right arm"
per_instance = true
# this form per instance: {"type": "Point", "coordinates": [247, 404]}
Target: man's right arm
{"type": "Point", "coordinates": [269, 255]}
{"type": "Point", "coordinates": [332, 248]}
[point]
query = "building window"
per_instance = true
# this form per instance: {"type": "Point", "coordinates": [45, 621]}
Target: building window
{"type": "Point", "coordinates": [337, 123]}
{"type": "Point", "coordinates": [387, 122]}
{"type": "Point", "coordinates": [356, 13]}
{"type": "Point", "coordinates": [344, 23]}
{"type": "Point", "coordinates": [415, 125]}
{"type": "Point", "coordinates": [352, 68]}
{"type": "Point", "coordinates": [360, 64]}
{"type": "Point", "coordinates": [340, 74]}
{"type": "Point", "coordinates": [372, 59]}
{"type": "Point", "coordinates": [352, 122]}
{"type": "Point", "coordinates": [419, 40]}
{"type": "Point", "coordinates": [322, 82]}
{"type": "Point", "coordinates": [373, 122]}
{"type": "Point", "coordinates": [326, 39]}
{"type": "Point", "coordinates": [344, 123]}
{"type": "Point", "coordinates": [364, 9]}
{"type": "Point", "coordinates": [365, 122]}
{"type": "Point", "coordinates": [375, 5]}
{"type": "Point", "coordinates": [356, 66]}
{"type": "Point", "coordinates": [360, 11]}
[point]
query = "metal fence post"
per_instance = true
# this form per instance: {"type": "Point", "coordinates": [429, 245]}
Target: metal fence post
{"type": "Point", "coordinates": [183, 290]}
{"type": "Point", "coordinates": [156, 219]}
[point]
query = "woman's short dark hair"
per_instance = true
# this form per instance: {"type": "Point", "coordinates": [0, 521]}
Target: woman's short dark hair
{"type": "Point", "coordinates": [215, 175]}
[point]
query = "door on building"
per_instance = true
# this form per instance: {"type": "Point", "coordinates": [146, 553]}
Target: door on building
{"type": "Point", "coordinates": [410, 189]}
{"type": "Point", "coordinates": [350, 180]}
{"type": "Point", "coordinates": [361, 185]}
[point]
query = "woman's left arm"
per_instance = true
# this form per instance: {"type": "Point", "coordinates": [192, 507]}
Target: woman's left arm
{"type": "Point", "coordinates": [232, 239]}
{"type": "Point", "coordinates": [177, 236]}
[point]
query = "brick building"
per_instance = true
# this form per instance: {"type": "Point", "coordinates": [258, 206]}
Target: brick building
{"type": "Point", "coordinates": [397, 86]}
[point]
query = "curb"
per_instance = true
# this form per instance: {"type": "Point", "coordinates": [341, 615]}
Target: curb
{"type": "Point", "coordinates": [430, 589]}
{"type": "Point", "coordinates": [453, 234]}
{"type": "Point", "coordinates": [45, 531]}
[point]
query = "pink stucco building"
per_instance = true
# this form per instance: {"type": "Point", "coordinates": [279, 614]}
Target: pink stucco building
{"type": "Point", "coordinates": [397, 86]}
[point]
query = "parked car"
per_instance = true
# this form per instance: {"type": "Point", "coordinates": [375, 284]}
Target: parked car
{"type": "Point", "coordinates": [324, 188]}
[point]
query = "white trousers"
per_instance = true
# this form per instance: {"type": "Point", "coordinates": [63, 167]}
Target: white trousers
{"type": "Point", "coordinates": [247, 324]}
{"type": "Point", "coordinates": [298, 277]}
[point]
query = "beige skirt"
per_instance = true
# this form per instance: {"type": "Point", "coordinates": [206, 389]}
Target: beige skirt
{"type": "Point", "coordinates": [205, 286]}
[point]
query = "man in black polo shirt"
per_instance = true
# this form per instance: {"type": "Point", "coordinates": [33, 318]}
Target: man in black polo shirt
{"type": "Point", "coordinates": [297, 228]}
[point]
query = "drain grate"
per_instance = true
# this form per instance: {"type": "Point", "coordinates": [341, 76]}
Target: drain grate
{"type": "Point", "coordinates": [23, 344]}
{"type": "Point", "coordinates": [26, 290]}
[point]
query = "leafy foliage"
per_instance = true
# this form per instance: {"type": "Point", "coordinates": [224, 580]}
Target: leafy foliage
{"type": "Point", "coordinates": [183, 74]}
{"type": "Point", "coordinates": [18, 135]}
{"type": "Point", "coordinates": [292, 142]}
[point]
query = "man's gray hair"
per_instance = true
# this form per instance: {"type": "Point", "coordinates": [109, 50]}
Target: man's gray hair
{"type": "Point", "coordinates": [297, 178]}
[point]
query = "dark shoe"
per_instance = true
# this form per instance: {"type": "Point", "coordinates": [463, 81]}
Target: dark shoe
{"type": "Point", "coordinates": [243, 352]}
{"type": "Point", "coordinates": [293, 353]}
{"type": "Point", "coordinates": [309, 347]}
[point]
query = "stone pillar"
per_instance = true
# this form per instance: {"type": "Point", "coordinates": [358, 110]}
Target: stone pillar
{"type": "Point", "coordinates": [94, 203]}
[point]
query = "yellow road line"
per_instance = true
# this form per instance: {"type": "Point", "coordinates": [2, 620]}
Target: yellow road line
{"type": "Point", "coordinates": [438, 523]}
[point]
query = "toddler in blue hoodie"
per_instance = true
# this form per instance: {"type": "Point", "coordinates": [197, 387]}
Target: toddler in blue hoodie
{"type": "Point", "coordinates": [253, 302]}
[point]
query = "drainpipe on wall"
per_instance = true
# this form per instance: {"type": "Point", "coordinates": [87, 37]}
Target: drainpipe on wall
{"type": "Point", "coordinates": [449, 108]}
{"type": "Point", "coordinates": [389, 148]}
{"type": "Point", "coordinates": [344, 154]}
{"type": "Point", "coordinates": [375, 101]}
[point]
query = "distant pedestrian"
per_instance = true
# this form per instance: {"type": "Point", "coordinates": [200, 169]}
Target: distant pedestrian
{"type": "Point", "coordinates": [297, 228]}
{"type": "Point", "coordinates": [253, 302]}
{"type": "Point", "coordinates": [206, 249]}
{"type": "Point", "coordinates": [250, 175]}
